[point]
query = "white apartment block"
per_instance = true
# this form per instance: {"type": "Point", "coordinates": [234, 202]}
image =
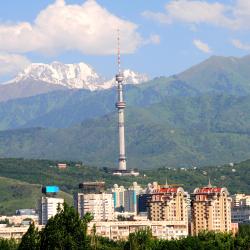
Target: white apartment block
{"type": "Point", "coordinates": [48, 207]}
{"type": "Point", "coordinates": [101, 206]}
{"type": "Point", "coordinates": [120, 230]}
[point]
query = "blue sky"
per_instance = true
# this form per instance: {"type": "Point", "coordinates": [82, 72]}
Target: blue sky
{"type": "Point", "coordinates": [157, 37]}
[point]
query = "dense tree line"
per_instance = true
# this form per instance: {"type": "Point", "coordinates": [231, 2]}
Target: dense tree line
{"type": "Point", "coordinates": [67, 231]}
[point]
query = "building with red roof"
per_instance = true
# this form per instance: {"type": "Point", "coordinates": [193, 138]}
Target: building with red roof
{"type": "Point", "coordinates": [211, 210]}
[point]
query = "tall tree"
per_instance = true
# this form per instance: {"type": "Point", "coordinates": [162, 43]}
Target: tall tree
{"type": "Point", "coordinates": [31, 239]}
{"type": "Point", "coordinates": [66, 231]}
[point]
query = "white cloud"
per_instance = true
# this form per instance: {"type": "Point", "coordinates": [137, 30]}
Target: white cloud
{"type": "Point", "coordinates": [10, 64]}
{"type": "Point", "coordinates": [232, 16]}
{"type": "Point", "coordinates": [153, 39]}
{"type": "Point", "coordinates": [202, 46]}
{"type": "Point", "coordinates": [157, 16]}
{"type": "Point", "coordinates": [88, 28]}
{"type": "Point", "coordinates": [238, 44]}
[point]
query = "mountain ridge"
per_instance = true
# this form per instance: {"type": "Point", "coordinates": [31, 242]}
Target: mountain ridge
{"type": "Point", "coordinates": [44, 78]}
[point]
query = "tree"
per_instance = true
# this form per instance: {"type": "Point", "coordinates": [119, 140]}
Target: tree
{"type": "Point", "coordinates": [66, 231]}
{"type": "Point", "coordinates": [31, 239]}
{"type": "Point", "coordinates": [140, 240]}
{"type": "Point", "coordinates": [8, 244]}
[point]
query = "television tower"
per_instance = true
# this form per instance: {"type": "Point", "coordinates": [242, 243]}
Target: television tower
{"type": "Point", "coordinates": [120, 105]}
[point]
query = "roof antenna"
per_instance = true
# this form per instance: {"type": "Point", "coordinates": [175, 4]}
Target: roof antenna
{"type": "Point", "coordinates": [209, 183]}
{"type": "Point", "coordinates": [166, 184]}
{"type": "Point", "coordinates": [118, 52]}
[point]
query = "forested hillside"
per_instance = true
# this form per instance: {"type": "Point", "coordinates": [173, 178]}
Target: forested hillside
{"type": "Point", "coordinates": [21, 180]}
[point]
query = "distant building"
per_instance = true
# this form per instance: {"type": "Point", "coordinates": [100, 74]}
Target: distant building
{"type": "Point", "coordinates": [95, 187]}
{"type": "Point", "coordinates": [48, 207]}
{"type": "Point", "coordinates": [119, 197]}
{"type": "Point", "coordinates": [19, 219]}
{"type": "Point", "coordinates": [241, 215]}
{"type": "Point", "coordinates": [240, 200]}
{"type": "Point", "coordinates": [101, 206]}
{"type": "Point", "coordinates": [240, 208]}
{"type": "Point", "coordinates": [143, 203]}
{"type": "Point", "coordinates": [62, 165]}
{"type": "Point", "coordinates": [211, 210]}
{"type": "Point", "coordinates": [26, 212]}
{"type": "Point", "coordinates": [131, 197]}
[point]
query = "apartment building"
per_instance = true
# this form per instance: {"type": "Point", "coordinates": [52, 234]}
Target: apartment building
{"type": "Point", "coordinates": [120, 230]}
{"type": "Point", "coordinates": [168, 204]}
{"type": "Point", "coordinates": [211, 210]}
{"type": "Point", "coordinates": [48, 207]}
{"type": "Point", "coordinates": [101, 206]}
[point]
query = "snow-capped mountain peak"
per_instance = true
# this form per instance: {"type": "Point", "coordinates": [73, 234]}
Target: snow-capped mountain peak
{"type": "Point", "coordinates": [74, 76]}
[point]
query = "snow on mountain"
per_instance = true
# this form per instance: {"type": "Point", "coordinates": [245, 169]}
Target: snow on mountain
{"type": "Point", "coordinates": [73, 76]}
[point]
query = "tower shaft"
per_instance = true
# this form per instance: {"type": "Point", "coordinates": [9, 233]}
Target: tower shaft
{"type": "Point", "coordinates": [120, 105]}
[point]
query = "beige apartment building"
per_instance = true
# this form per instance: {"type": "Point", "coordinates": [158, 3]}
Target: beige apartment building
{"type": "Point", "coordinates": [120, 230]}
{"type": "Point", "coordinates": [101, 206]}
{"type": "Point", "coordinates": [211, 210]}
{"type": "Point", "coordinates": [168, 204]}
{"type": "Point", "coordinates": [15, 232]}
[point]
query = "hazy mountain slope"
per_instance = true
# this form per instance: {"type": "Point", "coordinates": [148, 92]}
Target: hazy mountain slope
{"type": "Point", "coordinates": [220, 74]}
{"type": "Point", "coordinates": [188, 131]}
{"type": "Point", "coordinates": [64, 108]}
{"type": "Point", "coordinates": [25, 89]}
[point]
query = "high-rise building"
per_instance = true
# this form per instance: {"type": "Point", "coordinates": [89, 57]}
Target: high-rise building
{"type": "Point", "coordinates": [169, 203]}
{"type": "Point", "coordinates": [131, 198]}
{"type": "Point", "coordinates": [119, 197]}
{"type": "Point", "coordinates": [48, 207]}
{"type": "Point", "coordinates": [101, 206]}
{"type": "Point", "coordinates": [211, 210]}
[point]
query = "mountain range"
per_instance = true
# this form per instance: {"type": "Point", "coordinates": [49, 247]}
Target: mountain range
{"type": "Point", "coordinates": [198, 117]}
{"type": "Point", "coordinates": [40, 78]}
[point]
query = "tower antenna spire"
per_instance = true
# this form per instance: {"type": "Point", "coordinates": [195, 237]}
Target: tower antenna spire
{"type": "Point", "coordinates": [209, 182]}
{"type": "Point", "coordinates": [118, 51]}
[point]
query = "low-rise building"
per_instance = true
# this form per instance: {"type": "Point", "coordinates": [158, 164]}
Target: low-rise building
{"type": "Point", "coordinates": [19, 219]}
{"type": "Point", "coordinates": [120, 230]}
{"type": "Point", "coordinates": [14, 232]}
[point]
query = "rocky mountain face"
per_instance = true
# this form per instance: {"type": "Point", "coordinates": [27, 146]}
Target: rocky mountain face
{"type": "Point", "coordinates": [43, 78]}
